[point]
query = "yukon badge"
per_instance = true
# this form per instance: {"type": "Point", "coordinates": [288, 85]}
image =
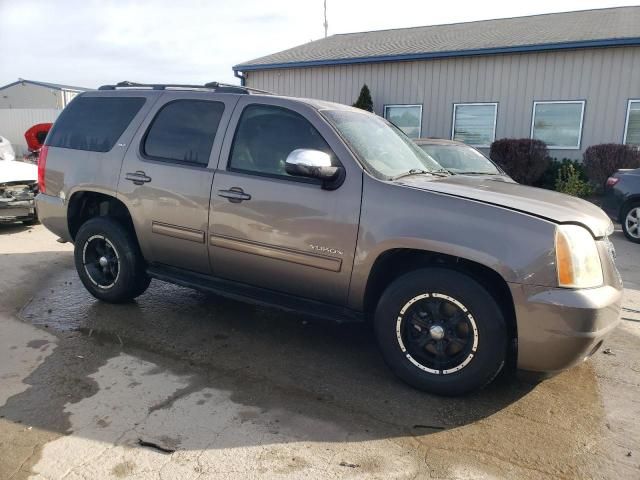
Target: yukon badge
{"type": "Point", "coordinates": [321, 249]}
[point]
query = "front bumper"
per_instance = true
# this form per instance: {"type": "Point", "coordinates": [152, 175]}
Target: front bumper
{"type": "Point", "coordinates": [15, 211]}
{"type": "Point", "coordinates": [559, 327]}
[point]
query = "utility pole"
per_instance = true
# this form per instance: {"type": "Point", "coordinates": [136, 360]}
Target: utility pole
{"type": "Point", "coordinates": [326, 24]}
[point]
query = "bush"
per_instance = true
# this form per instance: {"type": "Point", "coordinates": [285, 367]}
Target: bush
{"type": "Point", "coordinates": [601, 161]}
{"type": "Point", "coordinates": [524, 159]}
{"type": "Point", "coordinates": [569, 181]}
{"type": "Point", "coordinates": [550, 175]}
{"type": "Point", "coordinates": [364, 100]}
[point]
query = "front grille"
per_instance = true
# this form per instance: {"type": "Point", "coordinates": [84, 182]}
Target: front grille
{"type": "Point", "coordinates": [18, 193]}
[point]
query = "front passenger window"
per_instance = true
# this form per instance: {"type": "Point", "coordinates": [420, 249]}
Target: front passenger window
{"type": "Point", "coordinates": [266, 135]}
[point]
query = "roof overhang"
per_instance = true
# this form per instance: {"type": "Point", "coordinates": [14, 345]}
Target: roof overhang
{"type": "Point", "coordinates": [611, 42]}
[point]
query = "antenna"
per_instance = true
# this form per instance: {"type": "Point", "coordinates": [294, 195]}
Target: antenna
{"type": "Point", "coordinates": [326, 24]}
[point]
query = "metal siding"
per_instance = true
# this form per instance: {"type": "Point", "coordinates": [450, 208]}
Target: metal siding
{"type": "Point", "coordinates": [606, 78]}
{"type": "Point", "coordinates": [15, 121]}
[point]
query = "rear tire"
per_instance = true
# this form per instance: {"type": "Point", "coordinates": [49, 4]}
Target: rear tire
{"type": "Point", "coordinates": [440, 331]}
{"type": "Point", "coordinates": [109, 262]}
{"type": "Point", "coordinates": [630, 221]}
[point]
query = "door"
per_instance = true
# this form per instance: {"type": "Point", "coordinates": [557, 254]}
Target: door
{"type": "Point", "coordinates": [277, 231]}
{"type": "Point", "coordinates": [167, 174]}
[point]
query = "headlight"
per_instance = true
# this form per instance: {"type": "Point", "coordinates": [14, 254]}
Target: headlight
{"type": "Point", "coordinates": [577, 258]}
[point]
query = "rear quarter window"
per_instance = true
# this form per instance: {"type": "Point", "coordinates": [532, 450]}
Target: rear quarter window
{"type": "Point", "coordinates": [94, 123]}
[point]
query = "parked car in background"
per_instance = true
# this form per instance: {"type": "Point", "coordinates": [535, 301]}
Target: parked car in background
{"type": "Point", "coordinates": [622, 201]}
{"type": "Point", "coordinates": [18, 187]}
{"type": "Point", "coordinates": [330, 211]}
{"type": "Point", "coordinates": [461, 159]}
{"type": "Point", "coordinates": [6, 150]}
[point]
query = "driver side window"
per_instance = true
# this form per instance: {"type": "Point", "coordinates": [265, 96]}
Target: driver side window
{"type": "Point", "coordinates": [266, 135]}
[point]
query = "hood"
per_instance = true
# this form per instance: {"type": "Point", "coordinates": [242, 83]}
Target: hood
{"type": "Point", "coordinates": [554, 206]}
{"type": "Point", "coordinates": [11, 171]}
{"type": "Point", "coordinates": [498, 178]}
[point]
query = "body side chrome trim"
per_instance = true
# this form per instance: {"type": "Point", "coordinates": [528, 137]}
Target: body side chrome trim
{"type": "Point", "coordinates": [269, 251]}
{"type": "Point", "coordinates": [175, 231]}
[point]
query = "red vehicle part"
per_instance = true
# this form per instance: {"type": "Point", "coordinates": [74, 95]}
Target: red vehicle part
{"type": "Point", "coordinates": [42, 166]}
{"type": "Point", "coordinates": [35, 135]}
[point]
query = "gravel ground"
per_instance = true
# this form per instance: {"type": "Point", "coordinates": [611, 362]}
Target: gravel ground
{"type": "Point", "coordinates": [182, 385]}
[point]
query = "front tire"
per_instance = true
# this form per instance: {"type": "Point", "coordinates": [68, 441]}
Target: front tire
{"type": "Point", "coordinates": [631, 222]}
{"type": "Point", "coordinates": [440, 331]}
{"type": "Point", "coordinates": [109, 262]}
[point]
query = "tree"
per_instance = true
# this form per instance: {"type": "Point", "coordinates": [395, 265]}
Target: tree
{"type": "Point", "coordinates": [364, 99]}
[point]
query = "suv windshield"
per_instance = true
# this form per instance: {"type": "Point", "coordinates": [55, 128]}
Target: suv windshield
{"type": "Point", "coordinates": [461, 159]}
{"type": "Point", "coordinates": [385, 150]}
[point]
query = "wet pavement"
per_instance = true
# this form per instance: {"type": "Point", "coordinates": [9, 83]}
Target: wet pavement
{"type": "Point", "coordinates": [182, 384]}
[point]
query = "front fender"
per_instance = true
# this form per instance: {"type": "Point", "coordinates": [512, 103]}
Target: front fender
{"type": "Point", "coordinates": [519, 247]}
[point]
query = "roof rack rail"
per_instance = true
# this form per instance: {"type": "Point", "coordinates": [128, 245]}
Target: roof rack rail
{"type": "Point", "coordinates": [216, 86]}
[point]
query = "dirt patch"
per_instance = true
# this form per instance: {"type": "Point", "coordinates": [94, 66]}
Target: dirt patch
{"type": "Point", "coordinates": [37, 343]}
{"type": "Point", "coordinates": [124, 469]}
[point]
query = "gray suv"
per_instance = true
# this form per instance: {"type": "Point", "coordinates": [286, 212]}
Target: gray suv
{"type": "Point", "coordinates": [331, 211]}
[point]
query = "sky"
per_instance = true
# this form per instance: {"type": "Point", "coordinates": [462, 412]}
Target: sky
{"type": "Point", "coordinates": [89, 43]}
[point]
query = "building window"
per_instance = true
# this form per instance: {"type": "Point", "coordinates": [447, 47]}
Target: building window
{"type": "Point", "coordinates": [558, 124]}
{"type": "Point", "coordinates": [474, 123]}
{"type": "Point", "coordinates": [407, 118]}
{"type": "Point", "coordinates": [632, 124]}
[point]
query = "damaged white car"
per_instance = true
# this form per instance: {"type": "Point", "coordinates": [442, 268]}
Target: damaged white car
{"type": "Point", "coordinates": [18, 187]}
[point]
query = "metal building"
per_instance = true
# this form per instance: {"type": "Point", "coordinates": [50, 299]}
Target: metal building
{"type": "Point", "coordinates": [25, 103]}
{"type": "Point", "coordinates": [571, 79]}
{"type": "Point", "coordinates": [32, 94]}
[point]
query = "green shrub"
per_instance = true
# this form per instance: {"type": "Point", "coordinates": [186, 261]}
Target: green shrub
{"type": "Point", "coordinates": [569, 181]}
{"type": "Point", "coordinates": [601, 161]}
{"type": "Point", "coordinates": [524, 159]}
{"type": "Point", "coordinates": [550, 175]}
{"type": "Point", "coordinates": [364, 100]}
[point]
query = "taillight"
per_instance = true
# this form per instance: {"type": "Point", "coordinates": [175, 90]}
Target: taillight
{"type": "Point", "coordinates": [42, 165]}
{"type": "Point", "coordinates": [611, 181]}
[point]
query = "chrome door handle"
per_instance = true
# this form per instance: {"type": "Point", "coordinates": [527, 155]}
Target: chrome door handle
{"type": "Point", "coordinates": [138, 178]}
{"type": "Point", "coordinates": [234, 195]}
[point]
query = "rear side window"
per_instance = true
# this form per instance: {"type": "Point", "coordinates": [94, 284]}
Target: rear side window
{"type": "Point", "coordinates": [94, 123]}
{"type": "Point", "coordinates": [183, 131]}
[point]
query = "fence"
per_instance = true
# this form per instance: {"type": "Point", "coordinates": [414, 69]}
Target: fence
{"type": "Point", "coordinates": [15, 121]}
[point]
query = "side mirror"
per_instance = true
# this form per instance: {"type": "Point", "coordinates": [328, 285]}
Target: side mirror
{"type": "Point", "coordinates": [309, 163]}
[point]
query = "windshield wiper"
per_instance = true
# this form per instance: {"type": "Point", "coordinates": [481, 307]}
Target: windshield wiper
{"type": "Point", "coordinates": [417, 171]}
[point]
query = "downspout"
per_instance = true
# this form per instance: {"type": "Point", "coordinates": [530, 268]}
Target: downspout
{"type": "Point", "coordinates": [241, 76]}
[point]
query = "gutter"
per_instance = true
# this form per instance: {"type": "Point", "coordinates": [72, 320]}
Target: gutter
{"type": "Point", "coordinates": [611, 42]}
{"type": "Point", "coordinates": [239, 75]}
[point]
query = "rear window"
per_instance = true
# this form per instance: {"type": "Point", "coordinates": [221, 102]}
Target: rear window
{"type": "Point", "coordinates": [94, 123]}
{"type": "Point", "coordinates": [184, 131]}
